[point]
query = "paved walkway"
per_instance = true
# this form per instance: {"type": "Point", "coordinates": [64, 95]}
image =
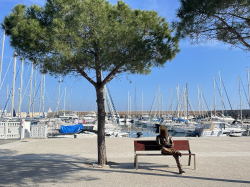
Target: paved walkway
{"type": "Point", "coordinates": [223, 161]}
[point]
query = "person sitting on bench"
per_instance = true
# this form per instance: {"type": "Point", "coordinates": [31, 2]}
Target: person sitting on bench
{"type": "Point", "coordinates": [165, 142]}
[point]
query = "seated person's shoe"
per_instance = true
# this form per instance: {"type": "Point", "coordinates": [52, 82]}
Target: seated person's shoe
{"type": "Point", "coordinates": [181, 171]}
{"type": "Point", "coordinates": [179, 154]}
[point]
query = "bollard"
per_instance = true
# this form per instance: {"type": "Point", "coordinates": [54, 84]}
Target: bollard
{"type": "Point", "coordinates": [139, 134]}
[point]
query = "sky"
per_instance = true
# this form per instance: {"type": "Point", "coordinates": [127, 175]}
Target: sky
{"type": "Point", "coordinates": [193, 65]}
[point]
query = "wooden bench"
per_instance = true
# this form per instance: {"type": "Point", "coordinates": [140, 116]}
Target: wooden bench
{"type": "Point", "coordinates": [151, 145]}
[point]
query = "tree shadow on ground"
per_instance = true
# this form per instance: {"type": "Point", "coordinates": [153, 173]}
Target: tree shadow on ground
{"type": "Point", "coordinates": [34, 169]}
{"type": "Point", "coordinates": [30, 169]}
{"type": "Point", "coordinates": [6, 153]}
{"type": "Point", "coordinates": [8, 141]}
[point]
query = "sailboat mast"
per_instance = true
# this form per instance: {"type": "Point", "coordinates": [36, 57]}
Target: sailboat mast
{"type": "Point", "coordinates": [199, 99]}
{"type": "Point", "coordinates": [141, 103]}
{"type": "Point", "coordinates": [155, 103]}
{"type": "Point", "coordinates": [7, 97]}
{"type": "Point", "coordinates": [70, 97]}
{"type": "Point", "coordinates": [201, 103]}
{"type": "Point", "coordinates": [20, 90]}
{"type": "Point", "coordinates": [58, 96]}
{"type": "Point", "coordinates": [31, 76]}
{"type": "Point", "coordinates": [240, 100]}
{"type": "Point", "coordinates": [2, 55]}
{"type": "Point", "coordinates": [159, 96]}
{"type": "Point", "coordinates": [248, 87]}
{"type": "Point", "coordinates": [64, 102]}
{"type": "Point", "coordinates": [13, 86]}
{"type": "Point", "coordinates": [214, 99]}
{"type": "Point", "coordinates": [161, 104]}
{"type": "Point", "coordinates": [135, 100]}
{"type": "Point", "coordinates": [43, 91]}
{"type": "Point", "coordinates": [222, 113]}
{"type": "Point", "coordinates": [184, 102]}
{"type": "Point", "coordinates": [187, 100]}
{"type": "Point", "coordinates": [34, 92]}
{"type": "Point", "coordinates": [177, 100]}
{"type": "Point", "coordinates": [171, 103]}
{"type": "Point", "coordinates": [128, 105]}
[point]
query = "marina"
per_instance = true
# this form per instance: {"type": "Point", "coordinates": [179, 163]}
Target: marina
{"type": "Point", "coordinates": [124, 93]}
{"type": "Point", "coordinates": [68, 162]}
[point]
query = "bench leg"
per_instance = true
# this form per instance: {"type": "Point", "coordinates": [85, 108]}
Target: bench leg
{"type": "Point", "coordinates": [136, 162]}
{"type": "Point", "coordinates": [189, 160]}
{"type": "Point", "coordinates": [194, 163]}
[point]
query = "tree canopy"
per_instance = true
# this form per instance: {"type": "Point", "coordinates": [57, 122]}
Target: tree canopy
{"type": "Point", "coordinates": [90, 37]}
{"type": "Point", "coordinates": [75, 36]}
{"type": "Point", "coordinates": [224, 20]}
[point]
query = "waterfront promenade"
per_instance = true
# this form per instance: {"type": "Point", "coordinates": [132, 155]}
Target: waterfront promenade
{"type": "Point", "coordinates": [222, 161]}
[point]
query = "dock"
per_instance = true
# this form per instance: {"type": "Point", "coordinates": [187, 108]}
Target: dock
{"type": "Point", "coordinates": [220, 161]}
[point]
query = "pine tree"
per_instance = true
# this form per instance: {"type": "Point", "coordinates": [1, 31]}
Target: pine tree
{"type": "Point", "coordinates": [89, 37]}
{"type": "Point", "coordinates": [207, 20]}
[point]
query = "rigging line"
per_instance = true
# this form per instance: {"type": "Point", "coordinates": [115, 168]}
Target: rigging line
{"type": "Point", "coordinates": [175, 111]}
{"type": "Point", "coordinates": [190, 105]}
{"type": "Point", "coordinates": [26, 73]}
{"type": "Point", "coordinates": [226, 94]}
{"type": "Point", "coordinates": [67, 97]}
{"type": "Point", "coordinates": [176, 108]}
{"type": "Point", "coordinates": [6, 73]}
{"type": "Point", "coordinates": [60, 99]}
{"type": "Point", "coordinates": [204, 99]}
{"type": "Point", "coordinates": [1, 39]}
{"type": "Point", "coordinates": [47, 94]}
{"type": "Point", "coordinates": [7, 101]}
{"type": "Point", "coordinates": [52, 98]}
{"type": "Point", "coordinates": [152, 106]}
{"type": "Point", "coordinates": [26, 89]}
{"type": "Point", "coordinates": [90, 103]}
{"type": "Point", "coordinates": [245, 92]}
{"type": "Point", "coordinates": [11, 91]}
{"type": "Point", "coordinates": [113, 105]}
{"type": "Point", "coordinates": [172, 99]}
{"type": "Point", "coordinates": [27, 85]}
{"type": "Point", "coordinates": [83, 99]}
{"type": "Point", "coordinates": [220, 95]}
{"type": "Point", "coordinates": [154, 103]}
{"type": "Point", "coordinates": [35, 94]}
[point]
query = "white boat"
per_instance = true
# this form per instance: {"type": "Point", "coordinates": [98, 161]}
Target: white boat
{"type": "Point", "coordinates": [90, 117]}
{"type": "Point", "coordinates": [144, 117]}
{"type": "Point", "coordinates": [69, 116]}
{"type": "Point", "coordinates": [215, 129]}
{"type": "Point", "coordinates": [227, 119]}
{"type": "Point", "coordinates": [115, 133]}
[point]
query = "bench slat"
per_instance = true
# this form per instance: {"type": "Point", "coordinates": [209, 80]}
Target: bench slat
{"type": "Point", "coordinates": [161, 154]}
{"type": "Point", "coordinates": [181, 147]}
{"type": "Point", "coordinates": [151, 145]}
{"type": "Point", "coordinates": [146, 148]}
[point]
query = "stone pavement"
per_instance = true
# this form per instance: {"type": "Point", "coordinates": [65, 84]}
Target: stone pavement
{"type": "Point", "coordinates": [221, 161]}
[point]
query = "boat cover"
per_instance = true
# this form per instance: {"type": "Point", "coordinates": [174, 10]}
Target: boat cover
{"type": "Point", "coordinates": [179, 119]}
{"type": "Point", "coordinates": [70, 128]}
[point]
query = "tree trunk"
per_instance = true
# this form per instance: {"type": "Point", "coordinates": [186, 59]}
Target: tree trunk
{"type": "Point", "coordinates": [101, 126]}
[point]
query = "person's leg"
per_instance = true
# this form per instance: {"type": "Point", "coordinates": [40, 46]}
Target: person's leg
{"type": "Point", "coordinates": [176, 154]}
{"type": "Point", "coordinates": [177, 159]}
